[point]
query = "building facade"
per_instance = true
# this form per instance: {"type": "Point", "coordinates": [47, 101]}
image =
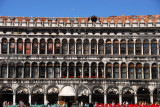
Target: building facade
{"type": "Point", "coordinates": [94, 59]}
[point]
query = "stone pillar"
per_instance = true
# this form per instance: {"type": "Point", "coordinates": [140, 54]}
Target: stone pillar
{"type": "Point", "coordinates": [82, 71]}
{"type": "Point", "coordinates": [8, 47]}
{"type": "Point", "coordinates": [120, 98]}
{"type": "Point", "coordinates": [89, 70]}
{"type": "Point", "coordinates": [60, 71]}
{"type": "Point", "coordinates": [45, 101]}
{"type": "Point", "coordinates": [30, 98]}
{"type": "Point", "coordinates": [97, 72]}
{"type": "Point", "coordinates": [105, 98]}
{"type": "Point", "coordinates": [53, 47]}
{"type": "Point", "coordinates": [7, 70]}
{"type": "Point", "coordinates": [104, 71]}
{"type": "Point", "coordinates": [126, 47]}
{"type": "Point", "coordinates": [90, 98]}
{"type": "Point", "coordinates": [150, 69]}
{"type": "Point", "coordinates": [151, 98]}
{"type": "Point", "coordinates": [30, 47]}
{"type": "Point", "coordinates": [135, 98]}
{"type": "Point", "coordinates": [14, 98]}
{"type": "Point", "coordinates": [142, 48]}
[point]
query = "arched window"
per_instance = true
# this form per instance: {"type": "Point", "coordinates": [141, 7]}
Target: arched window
{"type": "Point", "coordinates": [71, 47]}
{"type": "Point", "coordinates": [12, 46]}
{"type": "Point", "coordinates": [86, 70]}
{"type": "Point", "coordinates": [64, 70]}
{"type": "Point", "coordinates": [64, 46]}
{"type": "Point", "coordinates": [116, 70]}
{"type": "Point", "coordinates": [49, 70]}
{"type": "Point", "coordinates": [11, 70]}
{"type": "Point", "coordinates": [42, 46]}
{"type": "Point", "coordinates": [4, 46]}
{"type": "Point", "coordinates": [19, 68]}
{"type": "Point", "coordinates": [26, 70]}
{"type": "Point", "coordinates": [93, 46]}
{"type": "Point", "coordinates": [79, 46]}
{"type": "Point", "coordinates": [19, 46]}
{"type": "Point", "coordinates": [35, 46]}
{"type": "Point", "coordinates": [42, 70]}
{"type": "Point", "coordinates": [50, 46]}
{"type": "Point", "coordinates": [138, 71]}
{"type": "Point", "coordinates": [71, 70]}
{"type": "Point", "coordinates": [123, 47]}
{"type": "Point", "coordinates": [101, 47]}
{"type": "Point", "coordinates": [56, 70]}
{"type": "Point", "coordinates": [138, 47]}
{"type": "Point", "coordinates": [153, 47]}
{"type": "Point", "coordinates": [115, 47]}
{"type": "Point", "coordinates": [101, 70]}
{"type": "Point", "coordinates": [108, 46]}
{"type": "Point", "coordinates": [34, 70]}
{"type": "Point", "coordinates": [86, 46]}
{"type": "Point", "coordinates": [131, 71]}
{"type": "Point", "coordinates": [146, 47]}
{"type": "Point", "coordinates": [109, 70]}
{"type": "Point", "coordinates": [93, 70]}
{"type": "Point", "coordinates": [154, 71]}
{"type": "Point", "coordinates": [130, 47]}
{"type": "Point", "coordinates": [4, 70]}
{"type": "Point", "coordinates": [78, 70]}
{"type": "Point", "coordinates": [146, 71]}
{"type": "Point", "coordinates": [123, 70]}
{"type": "Point", "coordinates": [57, 46]}
{"type": "Point", "coordinates": [27, 46]}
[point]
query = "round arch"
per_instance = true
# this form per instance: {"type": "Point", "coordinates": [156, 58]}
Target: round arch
{"type": "Point", "coordinates": [143, 94]}
{"type": "Point", "coordinates": [83, 94]}
{"type": "Point", "coordinates": [22, 93]}
{"type": "Point", "coordinates": [98, 94]}
{"type": "Point", "coordinates": [113, 94]}
{"type": "Point", "coordinates": [52, 94]}
{"type": "Point", "coordinates": [128, 95]}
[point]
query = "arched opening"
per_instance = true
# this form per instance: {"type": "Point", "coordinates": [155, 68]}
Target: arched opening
{"type": "Point", "coordinates": [49, 70]}
{"type": "Point", "coordinates": [83, 94]}
{"type": "Point", "coordinates": [52, 95]}
{"type": "Point", "coordinates": [64, 46]}
{"type": "Point", "coordinates": [34, 69]}
{"type": "Point", "coordinates": [98, 95]}
{"type": "Point", "coordinates": [123, 47]}
{"type": "Point", "coordinates": [4, 46]}
{"type": "Point", "coordinates": [101, 70]}
{"type": "Point", "coordinates": [94, 19]}
{"type": "Point", "coordinates": [128, 95]}
{"type": "Point", "coordinates": [19, 46]}
{"type": "Point", "coordinates": [154, 71]}
{"type": "Point", "coordinates": [138, 71]}
{"type": "Point", "coordinates": [35, 46]}
{"type": "Point", "coordinates": [154, 47]}
{"type": "Point", "coordinates": [130, 47]}
{"type": "Point", "coordinates": [42, 46]}
{"type": "Point", "coordinates": [64, 70]}
{"type": "Point", "coordinates": [37, 96]}
{"type": "Point", "coordinates": [112, 95]}
{"type": "Point", "coordinates": [115, 70]}
{"type": "Point", "coordinates": [86, 46]}
{"type": "Point", "coordinates": [27, 46]}
{"type": "Point", "coordinates": [42, 70]}
{"type": "Point", "coordinates": [4, 70]}
{"type": "Point", "coordinates": [57, 46]}
{"type": "Point", "coordinates": [27, 70]}
{"type": "Point", "coordinates": [79, 46]}
{"type": "Point", "coordinates": [6, 94]}
{"type": "Point", "coordinates": [19, 68]}
{"type": "Point", "coordinates": [123, 70]}
{"type": "Point", "coordinates": [101, 47]}
{"type": "Point", "coordinates": [11, 70]}
{"type": "Point", "coordinates": [146, 47]}
{"type": "Point", "coordinates": [22, 94]}
{"type": "Point", "coordinates": [86, 70]}
{"type": "Point", "coordinates": [131, 71]}
{"type": "Point", "coordinates": [116, 47]}
{"type": "Point", "coordinates": [108, 46]}
{"type": "Point", "coordinates": [108, 70]}
{"type": "Point", "coordinates": [71, 70]}
{"type": "Point", "coordinates": [138, 47]}
{"type": "Point", "coordinates": [93, 70]}
{"type": "Point", "coordinates": [78, 70]}
{"type": "Point", "coordinates": [93, 46]}
{"type": "Point", "coordinates": [56, 70]}
{"type": "Point", "coordinates": [50, 46]}
{"type": "Point", "coordinates": [12, 46]}
{"type": "Point", "coordinates": [155, 96]}
{"type": "Point", "coordinates": [146, 71]}
{"type": "Point", "coordinates": [71, 46]}
{"type": "Point", "coordinates": [143, 94]}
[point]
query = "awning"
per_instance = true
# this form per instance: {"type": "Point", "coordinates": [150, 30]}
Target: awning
{"type": "Point", "coordinates": [67, 91]}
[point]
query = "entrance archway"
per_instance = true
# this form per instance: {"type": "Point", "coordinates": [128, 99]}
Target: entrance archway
{"type": "Point", "coordinates": [6, 94]}
{"type": "Point", "coordinates": [52, 95]}
{"type": "Point", "coordinates": [112, 94]}
{"type": "Point", "coordinates": [143, 94]}
{"type": "Point", "coordinates": [155, 96]}
{"type": "Point", "coordinates": [22, 94]}
{"type": "Point", "coordinates": [128, 95]}
{"type": "Point", "coordinates": [83, 94]}
{"type": "Point", "coordinates": [37, 95]}
{"type": "Point", "coordinates": [98, 95]}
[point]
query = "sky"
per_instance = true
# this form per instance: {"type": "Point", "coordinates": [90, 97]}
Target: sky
{"type": "Point", "coordinates": [78, 8]}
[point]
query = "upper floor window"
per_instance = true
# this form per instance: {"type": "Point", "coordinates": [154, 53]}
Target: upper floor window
{"type": "Point", "coordinates": [57, 46]}
{"type": "Point", "coordinates": [56, 69]}
{"type": "Point", "coordinates": [108, 47]}
{"type": "Point", "coordinates": [145, 47]}
{"type": "Point", "coordinates": [11, 70]}
{"type": "Point", "coordinates": [19, 68]}
{"type": "Point", "coordinates": [79, 47]}
{"type": "Point", "coordinates": [115, 47]}
{"type": "Point", "coordinates": [123, 47]}
{"type": "Point", "coordinates": [138, 47]}
{"type": "Point", "coordinates": [71, 47]}
{"type": "Point", "coordinates": [64, 46]}
{"type": "Point", "coordinates": [27, 46]}
{"type": "Point", "coordinates": [116, 70]}
{"type": "Point", "coordinates": [153, 47]}
{"type": "Point", "coordinates": [26, 70]}
{"type": "Point", "coordinates": [71, 70]}
{"type": "Point", "coordinates": [154, 71]}
{"type": "Point", "coordinates": [64, 70]}
{"type": "Point", "coordinates": [12, 46]}
{"type": "Point", "coordinates": [101, 70]}
{"type": "Point", "coordinates": [49, 70]}
{"type": "Point", "coordinates": [130, 47]}
{"type": "Point", "coordinates": [86, 70]}
{"type": "Point", "coordinates": [131, 71]}
{"type": "Point", "coordinates": [101, 47]}
{"type": "Point", "coordinates": [42, 70]}
{"type": "Point", "coordinates": [93, 70]}
{"type": "Point", "coordinates": [50, 46]}
{"type": "Point", "coordinates": [34, 69]}
{"type": "Point", "coordinates": [35, 46]}
{"type": "Point", "coordinates": [108, 70]}
{"type": "Point", "coordinates": [4, 70]}
{"type": "Point", "coordinates": [139, 71]}
{"type": "Point", "coordinates": [4, 46]}
{"type": "Point", "coordinates": [93, 46]}
{"type": "Point", "coordinates": [19, 46]}
{"type": "Point", "coordinates": [42, 46]}
{"type": "Point", "coordinates": [123, 70]}
{"type": "Point", "coordinates": [146, 71]}
{"type": "Point", "coordinates": [78, 70]}
{"type": "Point", "coordinates": [86, 46]}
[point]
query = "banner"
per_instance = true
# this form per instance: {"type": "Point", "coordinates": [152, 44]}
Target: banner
{"type": "Point", "coordinates": [28, 46]}
{"type": "Point", "coordinates": [20, 46]}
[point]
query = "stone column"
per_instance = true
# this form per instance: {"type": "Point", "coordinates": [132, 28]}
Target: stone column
{"type": "Point", "coordinates": [90, 98]}
{"type": "Point", "coordinates": [31, 47]}
{"type": "Point", "coordinates": [30, 98]}
{"type": "Point", "coordinates": [120, 98]}
{"type": "Point", "coordinates": [97, 72]}
{"type": "Point", "coordinates": [45, 101]}
{"type": "Point", "coordinates": [135, 98]}
{"type": "Point", "coordinates": [60, 71]}
{"type": "Point", "coordinates": [89, 70]}
{"type": "Point", "coordinates": [126, 47]}
{"type": "Point", "coordinates": [105, 98]}
{"type": "Point", "coordinates": [150, 69]}
{"type": "Point", "coordinates": [151, 98]}
{"type": "Point", "coordinates": [82, 71]}
{"type": "Point", "coordinates": [14, 98]}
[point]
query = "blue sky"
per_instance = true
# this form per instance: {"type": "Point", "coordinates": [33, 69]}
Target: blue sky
{"type": "Point", "coordinates": [78, 8]}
